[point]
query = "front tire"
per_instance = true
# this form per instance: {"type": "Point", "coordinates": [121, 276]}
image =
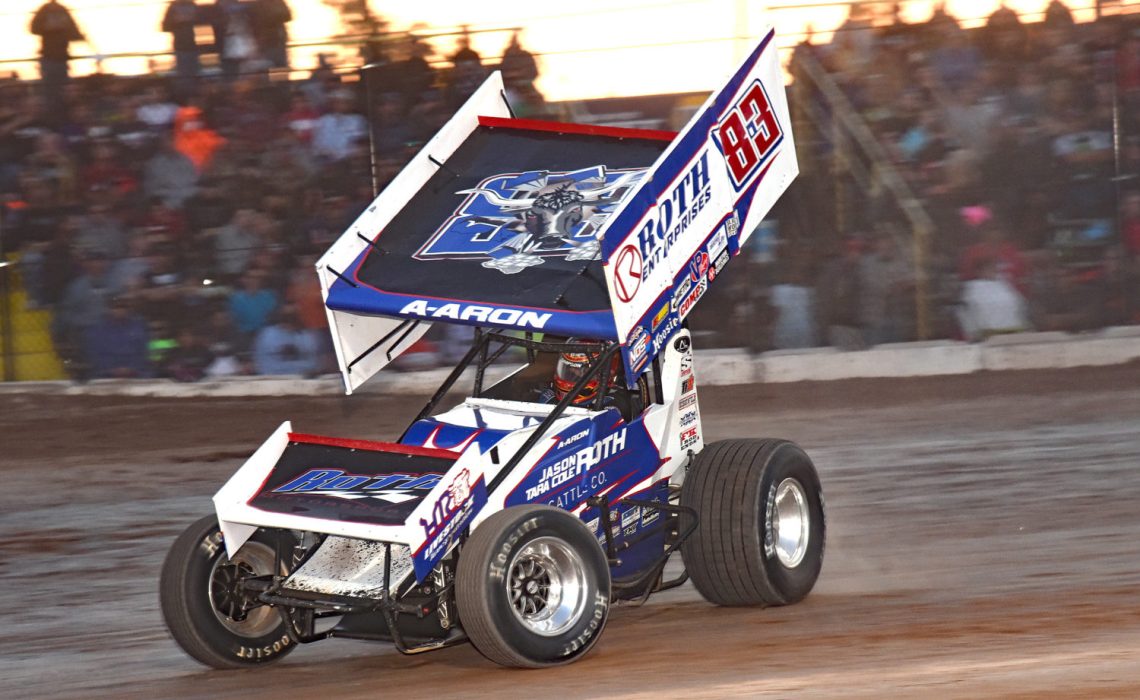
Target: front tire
{"type": "Point", "coordinates": [761, 534]}
{"type": "Point", "coordinates": [533, 587]}
{"type": "Point", "coordinates": [203, 604]}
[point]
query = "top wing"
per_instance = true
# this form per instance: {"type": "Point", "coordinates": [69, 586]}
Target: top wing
{"type": "Point", "coordinates": [584, 231]}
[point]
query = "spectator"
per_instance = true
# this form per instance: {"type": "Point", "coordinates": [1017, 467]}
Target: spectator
{"type": "Point", "coordinates": [839, 294]}
{"type": "Point", "coordinates": [415, 73]}
{"type": "Point", "coordinates": [116, 344]}
{"type": "Point", "coordinates": [285, 347]}
{"type": "Point", "coordinates": [103, 230]}
{"type": "Point", "coordinates": [957, 62]}
{"type": "Point", "coordinates": [302, 118]}
{"type": "Point", "coordinates": [169, 175]}
{"type": "Point", "coordinates": [252, 305]}
{"type": "Point", "coordinates": [990, 304]}
{"type": "Point", "coordinates": [304, 295]}
{"type": "Point", "coordinates": [467, 72]}
{"type": "Point", "coordinates": [50, 266]}
{"type": "Point", "coordinates": [51, 161]}
{"type": "Point", "coordinates": [235, 243]}
{"type": "Point", "coordinates": [56, 28]}
{"type": "Point", "coordinates": [992, 250]}
{"type": "Point", "coordinates": [194, 139]}
{"type": "Point", "coordinates": [106, 172]}
{"type": "Point", "coordinates": [190, 358]}
{"type": "Point", "coordinates": [234, 40]}
{"type": "Point", "coordinates": [518, 65]}
{"type": "Point", "coordinates": [84, 303]}
{"type": "Point", "coordinates": [338, 133]}
{"type": "Point", "coordinates": [885, 280]}
{"type": "Point", "coordinates": [269, 20]}
{"type": "Point", "coordinates": [795, 306]}
{"type": "Point", "coordinates": [226, 358]}
{"type": "Point", "coordinates": [162, 295]}
{"type": "Point", "coordinates": [180, 21]}
{"type": "Point", "coordinates": [132, 271]}
{"type": "Point", "coordinates": [519, 73]}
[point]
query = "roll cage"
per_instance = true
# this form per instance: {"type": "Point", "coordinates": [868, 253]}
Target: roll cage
{"type": "Point", "coordinates": [490, 345]}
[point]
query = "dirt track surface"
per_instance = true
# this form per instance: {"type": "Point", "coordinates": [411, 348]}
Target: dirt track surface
{"type": "Point", "coordinates": [983, 541]}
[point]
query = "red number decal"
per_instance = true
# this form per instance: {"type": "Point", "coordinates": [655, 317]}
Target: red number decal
{"type": "Point", "coordinates": [744, 152]}
{"type": "Point", "coordinates": [738, 148]}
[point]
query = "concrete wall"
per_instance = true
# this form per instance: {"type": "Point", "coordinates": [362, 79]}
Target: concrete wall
{"type": "Point", "coordinates": [714, 367]}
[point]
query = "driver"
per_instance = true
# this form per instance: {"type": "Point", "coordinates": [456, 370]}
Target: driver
{"type": "Point", "coordinates": [571, 367]}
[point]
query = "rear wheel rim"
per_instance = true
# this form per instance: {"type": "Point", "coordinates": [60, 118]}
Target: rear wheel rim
{"type": "Point", "coordinates": [232, 607]}
{"type": "Point", "coordinates": [791, 523]}
{"type": "Point", "coordinates": [546, 586]}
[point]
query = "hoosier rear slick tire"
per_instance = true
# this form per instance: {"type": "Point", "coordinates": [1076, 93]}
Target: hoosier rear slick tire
{"type": "Point", "coordinates": [761, 534]}
{"type": "Point", "coordinates": [532, 587]}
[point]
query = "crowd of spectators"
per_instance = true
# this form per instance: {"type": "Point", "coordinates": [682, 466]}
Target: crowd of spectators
{"type": "Point", "coordinates": [171, 222]}
{"type": "Point", "coordinates": [1006, 134]}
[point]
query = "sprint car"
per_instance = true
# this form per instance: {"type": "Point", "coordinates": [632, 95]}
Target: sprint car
{"type": "Point", "coordinates": [515, 516]}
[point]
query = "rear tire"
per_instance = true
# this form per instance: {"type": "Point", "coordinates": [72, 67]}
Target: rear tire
{"type": "Point", "coordinates": [203, 608]}
{"type": "Point", "coordinates": [761, 534]}
{"type": "Point", "coordinates": [532, 587]}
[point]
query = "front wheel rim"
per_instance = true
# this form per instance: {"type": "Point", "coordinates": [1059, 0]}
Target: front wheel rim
{"type": "Point", "coordinates": [791, 523]}
{"type": "Point", "coordinates": [546, 586]}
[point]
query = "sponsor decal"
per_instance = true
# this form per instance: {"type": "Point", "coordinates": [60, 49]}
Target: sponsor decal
{"type": "Point", "coordinates": [719, 242]}
{"type": "Point", "coordinates": [687, 385]}
{"type": "Point", "coordinates": [630, 517]}
{"type": "Point", "coordinates": [733, 224]}
{"type": "Point", "coordinates": [688, 418]}
{"type": "Point", "coordinates": [718, 265]}
{"type": "Point", "coordinates": [449, 516]}
{"type": "Point", "coordinates": [748, 134]}
{"type": "Point", "coordinates": [649, 515]}
{"type": "Point", "coordinates": [699, 266]}
{"type": "Point", "coordinates": [638, 347]}
{"type": "Point", "coordinates": [672, 214]}
{"type": "Point", "coordinates": [686, 365]}
{"type": "Point", "coordinates": [681, 291]}
{"type": "Point", "coordinates": [683, 344]}
{"type": "Point", "coordinates": [627, 273]}
{"type": "Point", "coordinates": [477, 314]}
{"type": "Point", "coordinates": [694, 296]}
{"type": "Point", "coordinates": [687, 401]}
{"type": "Point", "coordinates": [660, 317]}
{"type": "Point", "coordinates": [574, 438]}
{"type": "Point", "coordinates": [689, 438]}
{"type": "Point", "coordinates": [393, 488]}
{"type": "Point", "coordinates": [450, 501]}
{"type": "Point", "coordinates": [567, 468]}
{"type": "Point", "coordinates": [662, 337]}
{"type": "Point", "coordinates": [513, 221]}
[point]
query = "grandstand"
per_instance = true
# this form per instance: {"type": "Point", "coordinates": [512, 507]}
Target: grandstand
{"type": "Point", "coordinates": [956, 183]}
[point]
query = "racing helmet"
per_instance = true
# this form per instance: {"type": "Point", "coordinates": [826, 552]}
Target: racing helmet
{"type": "Point", "coordinates": [570, 368]}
